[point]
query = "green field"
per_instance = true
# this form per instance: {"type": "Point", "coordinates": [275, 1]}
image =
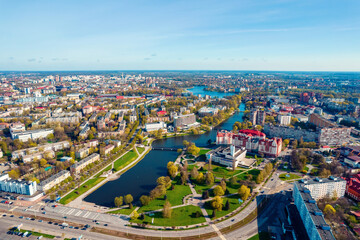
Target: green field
{"type": "Point", "coordinates": [204, 151]}
{"type": "Point", "coordinates": [261, 236]}
{"type": "Point", "coordinates": [253, 172]}
{"type": "Point", "coordinates": [291, 176]}
{"type": "Point", "coordinates": [234, 204]}
{"type": "Point", "coordinates": [182, 216]}
{"type": "Point", "coordinates": [37, 233]}
{"type": "Point", "coordinates": [140, 150]}
{"type": "Point", "coordinates": [173, 196]}
{"type": "Point", "coordinates": [125, 160]}
{"type": "Point", "coordinates": [82, 189]}
{"type": "Point", "coordinates": [125, 211]}
{"type": "Point", "coordinates": [221, 171]}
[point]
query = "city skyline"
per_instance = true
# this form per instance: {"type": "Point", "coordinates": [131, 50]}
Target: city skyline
{"type": "Point", "coordinates": [236, 35]}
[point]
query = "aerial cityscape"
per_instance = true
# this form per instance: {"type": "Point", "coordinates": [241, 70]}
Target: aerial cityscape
{"type": "Point", "coordinates": [180, 120]}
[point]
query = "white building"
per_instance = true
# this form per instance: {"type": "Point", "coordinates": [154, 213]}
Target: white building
{"type": "Point", "coordinates": [284, 120]}
{"type": "Point", "coordinates": [155, 126]}
{"type": "Point", "coordinates": [228, 156]}
{"type": "Point", "coordinates": [16, 186]}
{"type": "Point", "coordinates": [325, 187]}
{"type": "Point", "coordinates": [54, 180]}
{"type": "Point", "coordinates": [31, 134]}
{"type": "Point", "coordinates": [208, 111]}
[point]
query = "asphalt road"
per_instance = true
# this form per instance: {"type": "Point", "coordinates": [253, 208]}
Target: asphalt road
{"type": "Point", "coordinates": [118, 223]}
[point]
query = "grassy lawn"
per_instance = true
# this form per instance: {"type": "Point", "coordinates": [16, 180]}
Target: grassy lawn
{"type": "Point", "coordinates": [105, 170]}
{"type": "Point", "coordinates": [182, 216]}
{"type": "Point", "coordinates": [125, 211]}
{"type": "Point", "coordinates": [291, 176]}
{"type": "Point", "coordinates": [221, 171]}
{"type": "Point", "coordinates": [204, 151]}
{"type": "Point", "coordinates": [37, 233]}
{"type": "Point", "coordinates": [173, 196]}
{"type": "Point", "coordinates": [261, 236]}
{"type": "Point", "coordinates": [125, 160]}
{"type": "Point", "coordinates": [140, 150]}
{"type": "Point", "coordinates": [82, 189]}
{"type": "Point", "coordinates": [234, 204]}
{"type": "Point", "coordinates": [253, 172]}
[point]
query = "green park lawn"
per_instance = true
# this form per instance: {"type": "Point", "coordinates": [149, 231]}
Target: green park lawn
{"type": "Point", "coordinates": [204, 151]}
{"type": "Point", "coordinates": [221, 171]}
{"type": "Point", "coordinates": [125, 160]}
{"type": "Point", "coordinates": [234, 204]}
{"type": "Point", "coordinates": [173, 196]}
{"type": "Point", "coordinates": [37, 233]}
{"type": "Point", "coordinates": [125, 211]}
{"type": "Point", "coordinates": [253, 172]}
{"type": "Point", "coordinates": [291, 176]}
{"type": "Point", "coordinates": [82, 189]}
{"type": "Point", "coordinates": [140, 150]}
{"type": "Point", "coordinates": [261, 236]}
{"type": "Point", "coordinates": [182, 216]}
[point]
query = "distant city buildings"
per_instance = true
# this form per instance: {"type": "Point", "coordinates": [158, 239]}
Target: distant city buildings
{"type": "Point", "coordinates": [185, 120]}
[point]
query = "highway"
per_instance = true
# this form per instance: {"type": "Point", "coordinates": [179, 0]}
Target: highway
{"type": "Point", "coordinates": [115, 222]}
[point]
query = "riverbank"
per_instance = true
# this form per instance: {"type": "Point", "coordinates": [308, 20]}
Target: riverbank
{"type": "Point", "coordinates": [96, 181]}
{"type": "Point", "coordinates": [79, 202]}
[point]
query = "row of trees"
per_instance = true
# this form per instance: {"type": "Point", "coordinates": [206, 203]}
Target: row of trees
{"type": "Point", "coordinates": [264, 173]}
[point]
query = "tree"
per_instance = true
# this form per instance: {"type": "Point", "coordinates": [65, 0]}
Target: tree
{"type": "Point", "coordinates": [118, 201]}
{"type": "Point", "coordinates": [172, 169]}
{"type": "Point", "coordinates": [233, 181]}
{"type": "Point", "coordinates": [14, 174]}
{"type": "Point", "coordinates": [325, 173]}
{"type": "Point", "coordinates": [165, 181]}
{"type": "Point", "coordinates": [205, 194]}
{"type": "Point", "coordinates": [209, 178]}
{"type": "Point", "coordinates": [128, 200]}
{"type": "Point", "coordinates": [218, 191]}
{"type": "Point", "coordinates": [217, 203]}
{"type": "Point", "coordinates": [179, 150]}
{"type": "Point", "coordinates": [200, 178]}
{"type": "Point", "coordinates": [43, 162]}
{"type": "Point", "coordinates": [244, 192]}
{"type": "Point", "coordinates": [329, 210]}
{"type": "Point", "coordinates": [134, 215]}
{"type": "Point", "coordinates": [227, 206]}
{"type": "Point", "coordinates": [167, 210]}
{"type": "Point", "coordinates": [223, 184]}
{"type": "Point", "coordinates": [184, 176]}
{"type": "Point", "coordinates": [260, 178]}
{"type": "Point", "coordinates": [194, 173]}
{"type": "Point", "coordinates": [145, 200]}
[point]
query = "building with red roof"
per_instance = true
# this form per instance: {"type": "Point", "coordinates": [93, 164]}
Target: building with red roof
{"type": "Point", "coordinates": [161, 113]}
{"type": "Point", "coordinates": [353, 187]}
{"type": "Point", "coordinates": [252, 140]}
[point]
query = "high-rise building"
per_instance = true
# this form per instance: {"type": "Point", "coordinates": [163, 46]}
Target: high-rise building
{"type": "Point", "coordinates": [312, 217]}
{"type": "Point", "coordinates": [258, 117]}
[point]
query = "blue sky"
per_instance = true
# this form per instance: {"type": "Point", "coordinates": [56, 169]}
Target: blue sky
{"type": "Point", "coordinates": [180, 35]}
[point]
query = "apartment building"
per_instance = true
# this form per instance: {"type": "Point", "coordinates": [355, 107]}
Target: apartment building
{"type": "Point", "coordinates": [16, 186]}
{"type": "Point", "coordinates": [82, 152]}
{"type": "Point", "coordinates": [54, 180]}
{"type": "Point", "coordinates": [325, 187]}
{"type": "Point", "coordinates": [77, 167]}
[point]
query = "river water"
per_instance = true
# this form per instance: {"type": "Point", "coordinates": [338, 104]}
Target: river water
{"type": "Point", "coordinates": [141, 179]}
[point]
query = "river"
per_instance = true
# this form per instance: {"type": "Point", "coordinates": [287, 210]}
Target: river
{"type": "Point", "coordinates": [141, 179]}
